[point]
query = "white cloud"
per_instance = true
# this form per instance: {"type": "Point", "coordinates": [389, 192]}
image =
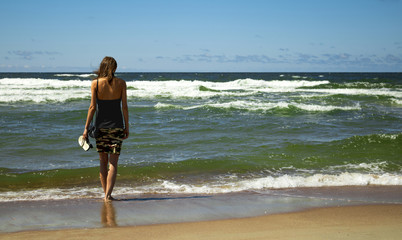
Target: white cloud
{"type": "Point", "coordinates": [28, 55]}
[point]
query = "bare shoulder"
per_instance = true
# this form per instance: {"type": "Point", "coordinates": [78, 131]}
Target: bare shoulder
{"type": "Point", "coordinates": [93, 83]}
{"type": "Point", "coordinates": [121, 82]}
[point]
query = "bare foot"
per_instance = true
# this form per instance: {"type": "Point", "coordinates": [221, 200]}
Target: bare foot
{"type": "Point", "coordinates": [109, 199]}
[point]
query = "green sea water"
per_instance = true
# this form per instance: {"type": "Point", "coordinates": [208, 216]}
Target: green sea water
{"type": "Point", "coordinates": [204, 133]}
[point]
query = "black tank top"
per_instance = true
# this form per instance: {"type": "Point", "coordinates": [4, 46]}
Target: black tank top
{"type": "Point", "coordinates": [108, 114]}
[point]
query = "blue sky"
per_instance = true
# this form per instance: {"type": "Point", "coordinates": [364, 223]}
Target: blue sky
{"type": "Point", "coordinates": [204, 36]}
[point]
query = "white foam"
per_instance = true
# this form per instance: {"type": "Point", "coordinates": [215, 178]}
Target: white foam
{"type": "Point", "coordinates": [397, 101]}
{"type": "Point", "coordinates": [75, 75]}
{"type": "Point", "coordinates": [15, 95]}
{"type": "Point", "coordinates": [261, 106]}
{"type": "Point", "coordinates": [376, 167]}
{"type": "Point", "coordinates": [352, 91]}
{"type": "Point", "coordinates": [183, 89]}
{"type": "Point", "coordinates": [321, 108]}
{"type": "Point", "coordinates": [385, 136]}
{"type": "Point", "coordinates": [229, 186]}
{"type": "Point", "coordinates": [168, 89]}
{"type": "Point", "coordinates": [160, 105]}
{"type": "Point", "coordinates": [191, 89]}
{"type": "Point", "coordinates": [285, 181]}
{"type": "Point", "coordinates": [50, 194]}
{"type": "Point", "coordinates": [322, 180]}
{"type": "Point", "coordinates": [38, 83]}
{"type": "Point", "coordinates": [42, 90]}
{"type": "Point", "coordinates": [251, 84]}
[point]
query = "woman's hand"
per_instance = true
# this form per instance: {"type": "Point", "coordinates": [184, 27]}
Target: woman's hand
{"type": "Point", "coordinates": [85, 134]}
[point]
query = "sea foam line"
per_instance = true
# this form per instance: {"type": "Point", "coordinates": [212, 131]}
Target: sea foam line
{"type": "Point", "coordinates": [75, 75]}
{"type": "Point", "coordinates": [14, 89]}
{"type": "Point", "coordinates": [39, 83]}
{"type": "Point", "coordinates": [261, 106]}
{"type": "Point", "coordinates": [170, 187]}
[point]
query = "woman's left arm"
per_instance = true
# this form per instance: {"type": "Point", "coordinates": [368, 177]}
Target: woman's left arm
{"type": "Point", "coordinates": [124, 106]}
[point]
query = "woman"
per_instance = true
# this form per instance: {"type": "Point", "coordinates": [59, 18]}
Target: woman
{"type": "Point", "coordinates": [109, 95]}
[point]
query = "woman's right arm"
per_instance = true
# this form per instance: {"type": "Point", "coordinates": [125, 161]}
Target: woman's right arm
{"type": "Point", "coordinates": [91, 110]}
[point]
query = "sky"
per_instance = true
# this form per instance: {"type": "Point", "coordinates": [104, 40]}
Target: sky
{"type": "Point", "coordinates": [202, 35]}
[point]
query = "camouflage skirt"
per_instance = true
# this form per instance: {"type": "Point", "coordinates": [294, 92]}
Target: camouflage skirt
{"type": "Point", "coordinates": [109, 140]}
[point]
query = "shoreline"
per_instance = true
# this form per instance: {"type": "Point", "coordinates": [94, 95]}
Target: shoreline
{"type": "Point", "coordinates": [344, 222]}
{"type": "Point", "coordinates": [154, 209]}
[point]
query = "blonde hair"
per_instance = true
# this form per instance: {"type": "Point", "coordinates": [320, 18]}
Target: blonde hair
{"type": "Point", "coordinates": [107, 68]}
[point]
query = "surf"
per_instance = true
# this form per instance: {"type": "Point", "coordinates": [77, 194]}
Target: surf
{"type": "Point", "coordinates": [218, 187]}
{"type": "Point", "coordinates": [39, 90]}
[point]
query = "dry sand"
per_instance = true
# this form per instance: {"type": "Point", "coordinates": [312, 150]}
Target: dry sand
{"type": "Point", "coordinates": [347, 222]}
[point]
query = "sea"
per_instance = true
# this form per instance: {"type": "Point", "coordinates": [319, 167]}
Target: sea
{"type": "Point", "coordinates": [203, 133]}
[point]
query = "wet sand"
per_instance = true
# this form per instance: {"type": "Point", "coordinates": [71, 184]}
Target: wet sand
{"type": "Point", "coordinates": [346, 222]}
{"type": "Point", "coordinates": [367, 212]}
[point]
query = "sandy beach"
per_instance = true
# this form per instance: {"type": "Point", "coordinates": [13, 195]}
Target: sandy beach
{"type": "Point", "coordinates": [346, 222]}
{"type": "Point", "coordinates": [370, 212]}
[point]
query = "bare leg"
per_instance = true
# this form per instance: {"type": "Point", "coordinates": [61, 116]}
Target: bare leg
{"type": "Point", "coordinates": [111, 176]}
{"type": "Point", "coordinates": [104, 159]}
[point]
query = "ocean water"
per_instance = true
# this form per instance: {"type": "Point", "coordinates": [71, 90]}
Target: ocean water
{"type": "Point", "coordinates": [204, 133]}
